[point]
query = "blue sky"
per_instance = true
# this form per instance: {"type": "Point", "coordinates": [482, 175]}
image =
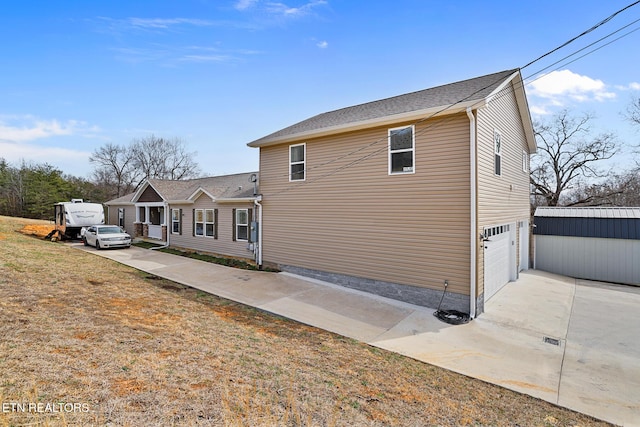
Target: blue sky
{"type": "Point", "coordinates": [218, 74]}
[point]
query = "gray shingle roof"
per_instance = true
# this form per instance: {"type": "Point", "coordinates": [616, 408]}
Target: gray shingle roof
{"type": "Point", "coordinates": [441, 96]}
{"type": "Point", "coordinates": [221, 187]}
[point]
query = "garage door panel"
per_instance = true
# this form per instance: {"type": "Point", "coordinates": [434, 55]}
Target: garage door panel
{"type": "Point", "coordinates": [496, 263]}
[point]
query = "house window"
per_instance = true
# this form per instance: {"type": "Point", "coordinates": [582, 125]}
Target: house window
{"type": "Point", "coordinates": [209, 223]}
{"type": "Point", "coordinates": [297, 156]}
{"type": "Point", "coordinates": [525, 161]}
{"type": "Point", "coordinates": [198, 222]}
{"type": "Point", "coordinates": [497, 153]}
{"type": "Point", "coordinates": [121, 217]}
{"type": "Point", "coordinates": [401, 150]}
{"type": "Point", "coordinates": [242, 224]}
{"type": "Point", "coordinates": [176, 217]}
{"type": "Point", "coordinates": [204, 222]}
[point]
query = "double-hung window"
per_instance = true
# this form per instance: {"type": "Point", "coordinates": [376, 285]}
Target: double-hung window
{"type": "Point", "coordinates": [402, 153]}
{"type": "Point", "coordinates": [175, 221]}
{"type": "Point", "coordinates": [204, 222]}
{"type": "Point", "coordinates": [497, 153]}
{"type": "Point", "coordinates": [209, 223]}
{"type": "Point", "coordinates": [525, 161]}
{"type": "Point", "coordinates": [242, 224]}
{"type": "Point", "coordinates": [297, 157]}
{"type": "Point", "coordinates": [198, 222]}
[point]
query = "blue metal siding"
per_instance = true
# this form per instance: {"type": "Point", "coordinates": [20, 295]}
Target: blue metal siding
{"type": "Point", "coordinates": [611, 228]}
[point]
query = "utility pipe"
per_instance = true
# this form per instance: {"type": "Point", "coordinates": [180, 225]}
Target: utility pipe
{"type": "Point", "coordinates": [259, 248]}
{"type": "Point", "coordinates": [473, 210]}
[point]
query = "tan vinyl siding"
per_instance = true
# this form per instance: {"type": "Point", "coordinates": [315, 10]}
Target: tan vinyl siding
{"type": "Point", "coordinates": [351, 217]}
{"type": "Point", "coordinates": [129, 217]}
{"type": "Point", "coordinates": [224, 244]}
{"type": "Point", "coordinates": [501, 199]}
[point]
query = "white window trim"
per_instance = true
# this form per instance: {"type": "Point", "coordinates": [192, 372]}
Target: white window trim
{"type": "Point", "coordinates": [497, 152]}
{"type": "Point", "coordinates": [196, 222]}
{"type": "Point", "coordinates": [525, 161]}
{"type": "Point", "coordinates": [205, 223]}
{"type": "Point", "coordinates": [242, 225]}
{"type": "Point", "coordinates": [404, 150]}
{"type": "Point", "coordinates": [303, 163]}
{"type": "Point", "coordinates": [175, 221]}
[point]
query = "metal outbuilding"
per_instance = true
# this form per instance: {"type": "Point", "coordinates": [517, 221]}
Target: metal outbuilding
{"type": "Point", "coordinates": [591, 243]}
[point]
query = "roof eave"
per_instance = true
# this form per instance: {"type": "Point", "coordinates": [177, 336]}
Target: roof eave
{"type": "Point", "coordinates": [143, 187]}
{"type": "Point", "coordinates": [379, 121]}
{"type": "Point", "coordinates": [197, 194]}
{"type": "Point", "coordinates": [523, 107]}
{"type": "Point", "coordinates": [180, 202]}
{"type": "Point", "coordinates": [237, 199]}
{"type": "Point", "coordinates": [109, 203]}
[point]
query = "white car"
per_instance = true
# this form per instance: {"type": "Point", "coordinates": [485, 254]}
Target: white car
{"type": "Point", "coordinates": [106, 236]}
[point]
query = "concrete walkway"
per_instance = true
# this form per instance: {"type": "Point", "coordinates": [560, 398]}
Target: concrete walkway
{"type": "Point", "coordinates": [593, 369]}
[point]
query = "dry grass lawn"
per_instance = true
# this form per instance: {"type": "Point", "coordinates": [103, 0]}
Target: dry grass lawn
{"type": "Point", "coordinates": [129, 349]}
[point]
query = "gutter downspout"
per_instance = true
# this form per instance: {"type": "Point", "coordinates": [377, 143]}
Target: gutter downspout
{"type": "Point", "coordinates": [259, 248]}
{"type": "Point", "coordinates": [473, 211]}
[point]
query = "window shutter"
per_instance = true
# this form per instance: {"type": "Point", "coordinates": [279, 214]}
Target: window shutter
{"type": "Point", "coordinates": [193, 222]}
{"type": "Point", "coordinates": [215, 223]}
{"type": "Point", "coordinates": [249, 219]}
{"type": "Point", "coordinates": [180, 222]}
{"type": "Point", "coordinates": [233, 216]}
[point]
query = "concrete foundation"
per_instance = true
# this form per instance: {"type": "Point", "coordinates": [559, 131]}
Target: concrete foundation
{"type": "Point", "coordinates": [411, 294]}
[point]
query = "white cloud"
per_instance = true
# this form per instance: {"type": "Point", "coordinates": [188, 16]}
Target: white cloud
{"type": "Point", "coordinates": [323, 44]}
{"type": "Point", "coordinates": [634, 86]}
{"type": "Point", "coordinates": [245, 4]}
{"type": "Point", "coordinates": [560, 86]}
{"type": "Point", "coordinates": [29, 128]}
{"type": "Point", "coordinates": [288, 11]}
{"type": "Point", "coordinates": [276, 9]}
{"type": "Point", "coordinates": [161, 23]}
{"type": "Point", "coordinates": [16, 152]}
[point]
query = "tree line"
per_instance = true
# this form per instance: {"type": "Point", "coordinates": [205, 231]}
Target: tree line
{"type": "Point", "coordinates": [566, 171]}
{"type": "Point", "coordinates": [30, 190]}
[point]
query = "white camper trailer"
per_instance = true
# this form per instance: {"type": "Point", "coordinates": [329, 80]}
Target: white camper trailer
{"type": "Point", "coordinates": [71, 217]}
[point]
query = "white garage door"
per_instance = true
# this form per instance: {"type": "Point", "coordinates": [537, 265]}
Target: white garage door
{"type": "Point", "coordinates": [497, 260]}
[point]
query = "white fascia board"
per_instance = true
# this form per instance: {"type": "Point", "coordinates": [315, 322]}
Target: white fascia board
{"type": "Point", "coordinates": [523, 106]}
{"type": "Point", "coordinates": [180, 202]}
{"type": "Point", "coordinates": [379, 121]}
{"type": "Point", "coordinates": [143, 187]}
{"type": "Point", "coordinates": [198, 192]}
{"type": "Point", "coordinates": [139, 192]}
{"type": "Point", "coordinates": [237, 200]}
{"type": "Point", "coordinates": [119, 204]}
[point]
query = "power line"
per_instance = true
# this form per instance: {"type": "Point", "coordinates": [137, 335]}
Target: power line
{"type": "Point", "coordinates": [504, 91]}
{"type": "Point", "coordinates": [599, 24]}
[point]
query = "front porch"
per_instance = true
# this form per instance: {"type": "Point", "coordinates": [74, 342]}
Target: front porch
{"type": "Point", "coordinates": [151, 222]}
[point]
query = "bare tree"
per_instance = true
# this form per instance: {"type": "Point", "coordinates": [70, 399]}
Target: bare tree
{"type": "Point", "coordinates": [633, 111]}
{"type": "Point", "coordinates": [567, 156]}
{"type": "Point", "coordinates": [633, 115]}
{"type": "Point", "coordinates": [163, 158]}
{"type": "Point", "coordinates": [124, 168]}
{"type": "Point", "coordinates": [115, 168]}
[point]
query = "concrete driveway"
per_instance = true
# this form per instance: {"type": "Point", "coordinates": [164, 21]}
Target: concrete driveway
{"type": "Point", "coordinates": [570, 342]}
